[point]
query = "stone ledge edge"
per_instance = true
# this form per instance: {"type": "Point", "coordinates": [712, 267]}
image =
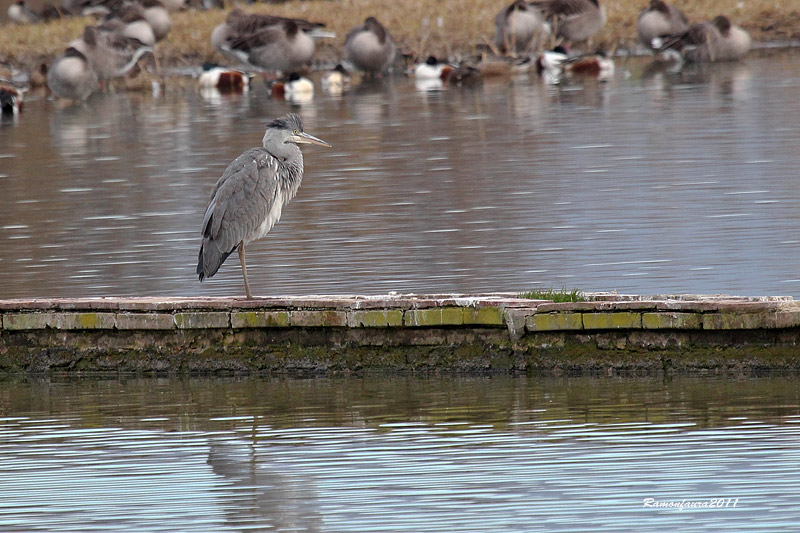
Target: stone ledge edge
{"type": "Point", "coordinates": [486, 310]}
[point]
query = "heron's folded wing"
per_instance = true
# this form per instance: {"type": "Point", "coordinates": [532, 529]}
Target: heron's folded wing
{"type": "Point", "coordinates": [242, 199]}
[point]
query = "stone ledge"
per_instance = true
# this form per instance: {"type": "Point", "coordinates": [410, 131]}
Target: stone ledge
{"type": "Point", "coordinates": [603, 312]}
{"type": "Point", "coordinates": [404, 332]}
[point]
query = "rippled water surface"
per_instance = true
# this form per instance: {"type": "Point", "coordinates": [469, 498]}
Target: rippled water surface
{"type": "Point", "coordinates": [399, 454]}
{"type": "Point", "coordinates": [653, 182]}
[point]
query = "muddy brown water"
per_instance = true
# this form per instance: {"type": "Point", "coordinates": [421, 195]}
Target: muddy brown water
{"type": "Point", "coordinates": [653, 182]}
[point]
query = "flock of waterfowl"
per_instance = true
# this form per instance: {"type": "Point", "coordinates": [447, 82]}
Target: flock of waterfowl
{"type": "Point", "coordinates": [528, 35]}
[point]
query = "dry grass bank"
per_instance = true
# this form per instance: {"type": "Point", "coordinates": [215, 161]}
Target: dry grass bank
{"type": "Point", "coordinates": [445, 28]}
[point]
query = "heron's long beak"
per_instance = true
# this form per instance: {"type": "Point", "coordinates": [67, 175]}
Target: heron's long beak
{"type": "Point", "coordinates": [305, 138]}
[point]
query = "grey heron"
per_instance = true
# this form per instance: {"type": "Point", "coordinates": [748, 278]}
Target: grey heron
{"type": "Point", "coordinates": [369, 47]}
{"type": "Point", "coordinates": [249, 197]}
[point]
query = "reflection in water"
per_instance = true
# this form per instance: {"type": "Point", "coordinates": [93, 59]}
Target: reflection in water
{"type": "Point", "coordinates": [262, 495]}
{"type": "Point", "coordinates": [398, 454]}
{"type": "Point", "coordinates": [657, 181]}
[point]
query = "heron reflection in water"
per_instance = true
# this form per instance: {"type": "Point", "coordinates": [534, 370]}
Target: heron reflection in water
{"type": "Point", "coordinates": [249, 197]}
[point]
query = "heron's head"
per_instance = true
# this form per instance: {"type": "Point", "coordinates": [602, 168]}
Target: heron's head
{"type": "Point", "coordinates": [290, 128]}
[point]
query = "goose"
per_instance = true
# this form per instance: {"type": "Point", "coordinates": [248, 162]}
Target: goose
{"type": "Point", "coordinates": [735, 41]}
{"type": "Point", "coordinates": [129, 18]}
{"type": "Point", "coordinates": [707, 42]}
{"type": "Point", "coordinates": [157, 15]}
{"type": "Point", "coordinates": [657, 20]}
{"type": "Point", "coordinates": [71, 76]}
{"type": "Point", "coordinates": [519, 27]}
{"type": "Point", "coordinates": [109, 52]}
{"type": "Point", "coordinates": [20, 13]}
{"type": "Point", "coordinates": [572, 20]}
{"type": "Point", "coordinates": [268, 42]}
{"type": "Point", "coordinates": [369, 47]}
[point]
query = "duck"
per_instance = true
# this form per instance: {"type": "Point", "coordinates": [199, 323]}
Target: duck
{"type": "Point", "coordinates": [519, 27]}
{"type": "Point", "coordinates": [369, 47]}
{"type": "Point", "coordinates": [597, 65]}
{"type": "Point", "coordinates": [223, 79]}
{"type": "Point", "coordinates": [71, 76]}
{"type": "Point", "coordinates": [549, 64]}
{"type": "Point", "coordinates": [462, 75]}
{"type": "Point", "coordinates": [336, 80]}
{"type": "Point", "coordinates": [707, 42]}
{"type": "Point", "coordinates": [431, 69]}
{"type": "Point", "coordinates": [657, 20]}
{"type": "Point", "coordinates": [10, 100]}
{"type": "Point", "coordinates": [268, 42]}
{"type": "Point", "coordinates": [295, 88]}
{"type": "Point", "coordinates": [572, 20]}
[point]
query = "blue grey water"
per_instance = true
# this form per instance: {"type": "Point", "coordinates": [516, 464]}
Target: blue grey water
{"type": "Point", "coordinates": [654, 182]}
{"type": "Point", "coordinates": [400, 454]}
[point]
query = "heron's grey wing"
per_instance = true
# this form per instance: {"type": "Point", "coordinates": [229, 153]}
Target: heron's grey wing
{"type": "Point", "coordinates": [239, 203]}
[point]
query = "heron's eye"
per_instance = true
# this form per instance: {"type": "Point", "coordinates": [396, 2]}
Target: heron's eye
{"type": "Point", "coordinates": [296, 132]}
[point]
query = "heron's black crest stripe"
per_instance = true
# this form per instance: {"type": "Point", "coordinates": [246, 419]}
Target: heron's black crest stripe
{"type": "Point", "coordinates": [288, 122]}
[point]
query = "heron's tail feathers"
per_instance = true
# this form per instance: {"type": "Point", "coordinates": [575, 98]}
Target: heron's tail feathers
{"type": "Point", "coordinates": [209, 260]}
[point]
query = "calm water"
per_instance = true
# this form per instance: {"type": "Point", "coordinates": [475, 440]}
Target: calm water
{"type": "Point", "coordinates": [398, 454]}
{"type": "Point", "coordinates": [651, 183]}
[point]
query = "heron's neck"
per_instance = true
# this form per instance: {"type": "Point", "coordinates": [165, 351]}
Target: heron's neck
{"type": "Point", "coordinates": [290, 162]}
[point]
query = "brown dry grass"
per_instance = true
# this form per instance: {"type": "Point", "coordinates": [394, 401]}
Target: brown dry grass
{"type": "Point", "coordinates": [421, 27]}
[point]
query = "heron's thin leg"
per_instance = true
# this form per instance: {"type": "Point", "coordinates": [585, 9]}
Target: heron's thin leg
{"type": "Point", "coordinates": [244, 271]}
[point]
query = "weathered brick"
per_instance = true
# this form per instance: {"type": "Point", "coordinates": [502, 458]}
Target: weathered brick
{"type": "Point", "coordinates": [376, 318]}
{"type": "Point", "coordinates": [738, 320]}
{"type": "Point", "coordinates": [318, 318]}
{"type": "Point", "coordinates": [554, 322]}
{"type": "Point", "coordinates": [22, 321]}
{"type": "Point", "coordinates": [483, 315]}
{"type": "Point", "coordinates": [79, 321]}
{"type": "Point", "coordinates": [671, 320]}
{"type": "Point", "coordinates": [202, 319]}
{"type": "Point", "coordinates": [435, 316]}
{"type": "Point", "coordinates": [787, 319]}
{"type": "Point", "coordinates": [612, 320]}
{"type": "Point", "coordinates": [515, 321]}
{"type": "Point", "coordinates": [260, 319]}
{"type": "Point", "coordinates": [145, 321]}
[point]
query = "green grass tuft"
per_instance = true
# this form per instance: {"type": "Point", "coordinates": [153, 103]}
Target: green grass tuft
{"type": "Point", "coordinates": [556, 295]}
